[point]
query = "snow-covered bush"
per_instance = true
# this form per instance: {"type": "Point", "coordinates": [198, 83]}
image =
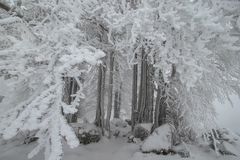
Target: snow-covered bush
{"type": "Point", "coordinates": [223, 141]}
{"type": "Point", "coordinates": [86, 132]}
{"type": "Point", "coordinates": [120, 128]}
{"type": "Point", "coordinates": [142, 130]}
{"type": "Point", "coordinates": [159, 140]}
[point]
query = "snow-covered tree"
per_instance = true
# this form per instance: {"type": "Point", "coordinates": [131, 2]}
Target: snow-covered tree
{"type": "Point", "coordinates": [187, 50]}
{"type": "Point", "coordinates": [189, 36]}
{"type": "Point", "coordinates": [45, 45]}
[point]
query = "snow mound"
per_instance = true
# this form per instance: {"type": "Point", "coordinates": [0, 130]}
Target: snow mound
{"type": "Point", "coordinates": [160, 139]}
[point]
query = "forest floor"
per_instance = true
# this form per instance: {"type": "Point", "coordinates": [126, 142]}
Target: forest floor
{"type": "Point", "coordinates": [113, 149]}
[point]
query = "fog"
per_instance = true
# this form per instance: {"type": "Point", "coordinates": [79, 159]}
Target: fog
{"type": "Point", "coordinates": [228, 115]}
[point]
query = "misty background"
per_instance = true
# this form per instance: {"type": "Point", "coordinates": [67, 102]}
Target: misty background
{"type": "Point", "coordinates": [229, 115]}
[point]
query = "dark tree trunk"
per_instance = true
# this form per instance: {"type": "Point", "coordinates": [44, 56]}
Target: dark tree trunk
{"type": "Point", "coordinates": [157, 108]}
{"type": "Point", "coordinates": [98, 109]}
{"type": "Point", "coordinates": [70, 88]}
{"type": "Point", "coordinates": [160, 106]}
{"type": "Point", "coordinates": [134, 95]}
{"type": "Point", "coordinates": [145, 100]}
{"type": "Point", "coordinates": [150, 93]}
{"type": "Point", "coordinates": [117, 92]}
{"type": "Point", "coordinates": [117, 102]}
{"type": "Point", "coordinates": [116, 111]}
{"type": "Point", "coordinates": [99, 120]}
{"type": "Point", "coordinates": [110, 92]}
{"type": "Point", "coordinates": [75, 88]}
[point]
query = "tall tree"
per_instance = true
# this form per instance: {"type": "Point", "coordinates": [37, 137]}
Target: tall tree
{"type": "Point", "coordinates": [110, 92]}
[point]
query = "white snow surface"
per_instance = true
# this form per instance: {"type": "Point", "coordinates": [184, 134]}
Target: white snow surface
{"type": "Point", "coordinates": [113, 149]}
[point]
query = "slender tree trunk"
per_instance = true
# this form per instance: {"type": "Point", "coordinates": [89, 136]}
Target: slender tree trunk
{"type": "Point", "coordinates": [98, 109]}
{"type": "Point", "coordinates": [71, 87]}
{"type": "Point", "coordinates": [160, 105]}
{"type": "Point", "coordinates": [116, 99]}
{"type": "Point", "coordinates": [110, 92]}
{"type": "Point", "coordinates": [67, 95]}
{"type": "Point", "coordinates": [117, 102]}
{"type": "Point", "coordinates": [117, 94]}
{"type": "Point", "coordinates": [163, 107]}
{"type": "Point", "coordinates": [150, 93]}
{"type": "Point", "coordinates": [134, 95]}
{"type": "Point", "coordinates": [99, 120]}
{"type": "Point", "coordinates": [75, 88]}
{"type": "Point", "coordinates": [157, 108]}
{"type": "Point", "coordinates": [102, 96]}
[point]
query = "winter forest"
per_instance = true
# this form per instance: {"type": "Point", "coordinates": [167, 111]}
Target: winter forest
{"type": "Point", "coordinates": [118, 79]}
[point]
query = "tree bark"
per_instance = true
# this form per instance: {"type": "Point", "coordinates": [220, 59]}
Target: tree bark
{"type": "Point", "coordinates": [117, 102]}
{"type": "Point", "coordinates": [117, 94]}
{"type": "Point", "coordinates": [116, 99]}
{"type": "Point", "coordinates": [160, 105]}
{"type": "Point", "coordinates": [110, 91]}
{"type": "Point", "coordinates": [102, 96]}
{"type": "Point", "coordinates": [134, 95]}
{"type": "Point", "coordinates": [70, 88]}
{"type": "Point", "coordinates": [144, 108]}
{"type": "Point", "coordinates": [75, 88]}
{"type": "Point", "coordinates": [157, 109]}
{"type": "Point", "coordinates": [150, 93]}
{"type": "Point", "coordinates": [99, 120]}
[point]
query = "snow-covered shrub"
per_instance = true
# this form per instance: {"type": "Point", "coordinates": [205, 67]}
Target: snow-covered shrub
{"type": "Point", "coordinates": [160, 140]}
{"type": "Point", "coordinates": [120, 127]}
{"type": "Point", "coordinates": [223, 141]}
{"type": "Point", "coordinates": [142, 130]}
{"type": "Point", "coordinates": [87, 133]}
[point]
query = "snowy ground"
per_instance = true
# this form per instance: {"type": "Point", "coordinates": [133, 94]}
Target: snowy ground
{"type": "Point", "coordinates": [114, 149]}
